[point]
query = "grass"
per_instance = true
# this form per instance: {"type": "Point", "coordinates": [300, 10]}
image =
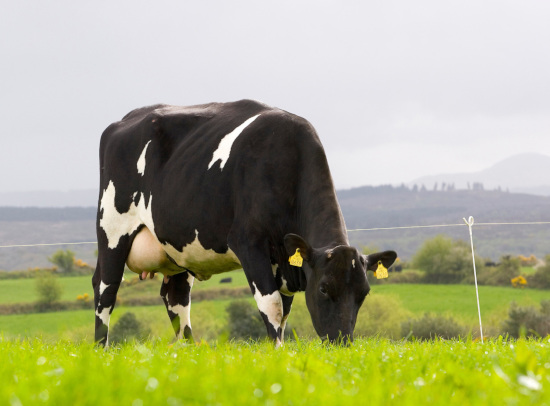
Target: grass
{"type": "Point", "coordinates": [373, 371]}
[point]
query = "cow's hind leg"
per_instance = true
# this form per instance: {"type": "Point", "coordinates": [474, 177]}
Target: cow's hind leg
{"type": "Point", "coordinates": [176, 294]}
{"type": "Point", "coordinates": [106, 282]}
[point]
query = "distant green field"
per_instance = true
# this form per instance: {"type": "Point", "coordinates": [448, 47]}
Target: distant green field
{"type": "Point", "coordinates": [24, 290]}
{"type": "Point", "coordinates": [371, 371]}
{"type": "Point", "coordinates": [460, 300]}
{"type": "Point", "coordinates": [79, 324]}
{"type": "Point", "coordinates": [209, 317]}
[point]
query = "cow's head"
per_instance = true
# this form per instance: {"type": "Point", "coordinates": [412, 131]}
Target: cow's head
{"type": "Point", "coordinates": [336, 284]}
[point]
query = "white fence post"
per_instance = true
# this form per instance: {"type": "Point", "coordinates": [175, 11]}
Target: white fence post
{"type": "Point", "coordinates": [470, 223]}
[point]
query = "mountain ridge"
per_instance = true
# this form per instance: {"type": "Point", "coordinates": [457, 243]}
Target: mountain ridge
{"type": "Point", "coordinates": [521, 173]}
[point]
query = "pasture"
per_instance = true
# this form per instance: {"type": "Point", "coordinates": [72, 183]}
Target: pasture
{"type": "Point", "coordinates": [372, 371]}
{"type": "Point", "coordinates": [385, 308]}
{"type": "Point", "coordinates": [49, 358]}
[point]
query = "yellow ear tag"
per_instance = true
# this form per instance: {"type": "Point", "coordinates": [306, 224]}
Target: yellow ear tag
{"type": "Point", "coordinates": [296, 259]}
{"type": "Point", "coordinates": [381, 272]}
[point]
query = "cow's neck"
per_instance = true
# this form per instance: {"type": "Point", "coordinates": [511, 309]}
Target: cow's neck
{"type": "Point", "coordinates": [321, 221]}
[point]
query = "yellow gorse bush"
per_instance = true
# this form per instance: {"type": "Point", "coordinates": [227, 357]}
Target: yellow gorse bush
{"type": "Point", "coordinates": [519, 282]}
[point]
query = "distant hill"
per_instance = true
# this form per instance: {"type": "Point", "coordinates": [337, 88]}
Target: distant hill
{"type": "Point", "coordinates": [523, 173]}
{"type": "Point", "coordinates": [52, 198]}
{"type": "Point", "coordinates": [386, 206]}
{"type": "Point", "coordinates": [364, 207]}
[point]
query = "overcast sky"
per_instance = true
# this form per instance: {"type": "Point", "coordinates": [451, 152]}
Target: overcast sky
{"type": "Point", "coordinates": [395, 89]}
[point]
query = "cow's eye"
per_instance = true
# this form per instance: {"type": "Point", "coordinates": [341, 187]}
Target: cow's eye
{"type": "Point", "coordinates": [323, 290]}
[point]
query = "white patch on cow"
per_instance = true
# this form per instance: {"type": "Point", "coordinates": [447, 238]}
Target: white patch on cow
{"type": "Point", "coordinates": [105, 315]}
{"type": "Point", "coordinates": [117, 224]}
{"type": "Point", "coordinates": [141, 160]}
{"type": "Point", "coordinates": [203, 262]}
{"type": "Point", "coordinates": [224, 149]}
{"type": "Point", "coordinates": [271, 305]}
{"type": "Point", "coordinates": [274, 269]}
{"type": "Point", "coordinates": [183, 312]}
{"type": "Point", "coordinates": [102, 287]}
{"type": "Point", "coordinates": [353, 263]}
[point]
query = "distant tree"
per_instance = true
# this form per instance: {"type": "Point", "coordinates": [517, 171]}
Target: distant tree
{"type": "Point", "coordinates": [445, 260]}
{"type": "Point", "coordinates": [127, 328]}
{"type": "Point", "coordinates": [541, 278]}
{"type": "Point", "coordinates": [431, 326]}
{"type": "Point", "coordinates": [64, 260]}
{"type": "Point", "coordinates": [528, 320]}
{"type": "Point", "coordinates": [478, 186]}
{"type": "Point", "coordinates": [245, 321]}
{"type": "Point", "coordinates": [48, 288]}
{"type": "Point", "coordinates": [501, 275]}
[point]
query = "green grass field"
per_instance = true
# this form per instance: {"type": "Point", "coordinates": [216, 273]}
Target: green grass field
{"type": "Point", "coordinates": [49, 358]}
{"type": "Point", "coordinates": [460, 300]}
{"type": "Point", "coordinates": [24, 290]}
{"type": "Point", "coordinates": [209, 317]}
{"type": "Point", "coordinates": [371, 371]}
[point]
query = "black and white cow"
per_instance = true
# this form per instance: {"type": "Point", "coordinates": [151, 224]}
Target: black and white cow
{"type": "Point", "coordinates": [194, 191]}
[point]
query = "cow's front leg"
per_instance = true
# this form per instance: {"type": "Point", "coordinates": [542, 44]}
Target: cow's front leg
{"type": "Point", "coordinates": [176, 294]}
{"type": "Point", "coordinates": [270, 305]}
{"type": "Point", "coordinates": [257, 268]}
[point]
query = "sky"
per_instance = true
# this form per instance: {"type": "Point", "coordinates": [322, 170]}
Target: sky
{"type": "Point", "coordinates": [395, 89]}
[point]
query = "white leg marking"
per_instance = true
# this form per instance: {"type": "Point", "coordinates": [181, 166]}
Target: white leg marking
{"type": "Point", "coordinates": [224, 149]}
{"type": "Point", "coordinates": [141, 160]}
{"type": "Point", "coordinates": [271, 305]}
{"type": "Point", "coordinates": [102, 287]}
{"type": "Point", "coordinates": [104, 315]}
{"type": "Point", "coordinates": [116, 224]}
{"type": "Point", "coordinates": [353, 263]}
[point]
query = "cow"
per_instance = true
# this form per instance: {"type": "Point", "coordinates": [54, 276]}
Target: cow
{"type": "Point", "coordinates": [194, 191]}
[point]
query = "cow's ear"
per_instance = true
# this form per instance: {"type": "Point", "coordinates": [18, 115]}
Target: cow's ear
{"type": "Point", "coordinates": [294, 242]}
{"type": "Point", "coordinates": [387, 258]}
